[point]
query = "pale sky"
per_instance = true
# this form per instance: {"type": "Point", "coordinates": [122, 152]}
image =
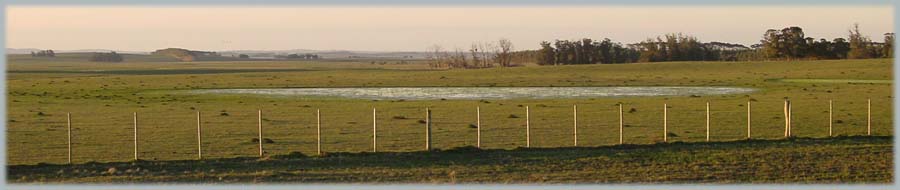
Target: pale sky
{"type": "Point", "coordinates": [412, 28]}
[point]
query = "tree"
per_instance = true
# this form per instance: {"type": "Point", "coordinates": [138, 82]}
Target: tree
{"type": "Point", "coordinates": [649, 51]}
{"type": "Point", "coordinates": [671, 45]}
{"type": "Point", "coordinates": [770, 44]}
{"type": "Point", "coordinates": [840, 47]}
{"type": "Point", "coordinates": [787, 43]}
{"type": "Point", "coordinates": [476, 55]}
{"type": "Point", "coordinates": [437, 56]}
{"type": "Point", "coordinates": [821, 49]}
{"type": "Point", "coordinates": [859, 45]}
{"type": "Point", "coordinates": [794, 42]}
{"type": "Point", "coordinates": [44, 53]}
{"type": "Point", "coordinates": [888, 49]}
{"type": "Point", "coordinates": [563, 50]}
{"type": "Point", "coordinates": [489, 54]}
{"type": "Point", "coordinates": [504, 57]}
{"type": "Point", "coordinates": [547, 54]}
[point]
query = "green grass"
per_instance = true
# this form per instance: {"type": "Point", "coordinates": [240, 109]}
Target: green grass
{"type": "Point", "coordinates": [862, 159]}
{"type": "Point", "coordinates": [849, 81]}
{"type": "Point", "coordinates": [102, 97]}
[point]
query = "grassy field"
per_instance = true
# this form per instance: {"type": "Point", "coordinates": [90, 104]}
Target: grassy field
{"type": "Point", "coordinates": [103, 96]}
{"type": "Point", "coordinates": [774, 161]}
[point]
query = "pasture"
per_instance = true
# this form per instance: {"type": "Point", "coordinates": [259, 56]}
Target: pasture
{"type": "Point", "coordinates": [103, 96]}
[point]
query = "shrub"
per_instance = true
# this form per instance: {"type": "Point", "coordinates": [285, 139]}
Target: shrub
{"type": "Point", "coordinates": [265, 140]}
{"type": "Point", "coordinates": [107, 57]}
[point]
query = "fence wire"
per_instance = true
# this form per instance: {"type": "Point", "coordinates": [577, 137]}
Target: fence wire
{"type": "Point", "coordinates": [172, 135]}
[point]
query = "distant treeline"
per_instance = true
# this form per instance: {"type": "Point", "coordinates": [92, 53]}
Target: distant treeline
{"type": "Point", "coordinates": [44, 53]}
{"type": "Point", "coordinates": [298, 56]}
{"type": "Point", "coordinates": [107, 57]}
{"type": "Point", "coordinates": [786, 44]}
{"type": "Point", "coordinates": [790, 43]}
{"type": "Point", "coordinates": [671, 47]}
{"type": "Point", "coordinates": [479, 55]}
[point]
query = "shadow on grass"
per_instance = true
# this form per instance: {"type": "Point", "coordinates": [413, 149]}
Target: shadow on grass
{"type": "Point", "coordinates": [461, 156]}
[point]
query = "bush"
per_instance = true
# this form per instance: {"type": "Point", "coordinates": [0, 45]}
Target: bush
{"type": "Point", "coordinates": [265, 140]}
{"type": "Point", "coordinates": [107, 57]}
{"type": "Point", "coordinates": [44, 53]}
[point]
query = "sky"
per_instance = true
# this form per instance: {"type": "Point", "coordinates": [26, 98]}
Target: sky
{"type": "Point", "coordinates": [413, 28]}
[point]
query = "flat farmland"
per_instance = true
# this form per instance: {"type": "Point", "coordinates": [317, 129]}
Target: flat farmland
{"type": "Point", "coordinates": [102, 98]}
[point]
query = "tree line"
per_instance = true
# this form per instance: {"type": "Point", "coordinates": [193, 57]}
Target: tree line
{"type": "Point", "coordinates": [479, 55]}
{"type": "Point", "coordinates": [298, 56]}
{"type": "Point", "coordinates": [584, 51]}
{"type": "Point", "coordinates": [670, 47]}
{"type": "Point", "coordinates": [789, 43]}
{"type": "Point", "coordinates": [107, 57]}
{"type": "Point", "coordinates": [44, 53]}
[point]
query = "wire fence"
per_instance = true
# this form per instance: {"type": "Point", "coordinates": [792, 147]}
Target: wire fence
{"type": "Point", "coordinates": [151, 136]}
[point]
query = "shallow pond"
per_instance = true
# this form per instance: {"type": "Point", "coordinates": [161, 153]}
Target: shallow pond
{"type": "Point", "coordinates": [427, 93]}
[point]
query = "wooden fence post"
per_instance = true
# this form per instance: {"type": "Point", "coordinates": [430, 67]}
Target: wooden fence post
{"type": "Point", "coordinates": [575, 123]}
{"type": "Point", "coordinates": [830, 117]}
{"type": "Point", "coordinates": [707, 121]}
{"type": "Point", "coordinates": [869, 117]}
{"type": "Point", "coordinates": [786, 118]}
{"type": "Point", "coordinates": [135, 137]}
{"type": "Point", "coordinates": [199, 138]}
{"type": "Point", "coordinates": [478, 126]}
{"type": "Point", "coordinates": [748, 120]}
{"type": "Point", "coordinates": [427, 129]}
{"type": "Point", "coordinates": [527, 128]}
{"type": "Point", "coordinates": [318, 134]}
{"type": "Point", "coordinates": [259, 129]}
{"type": "Point", "coordinates": [665, 122]}
{"type": "Point", "coordinates": [374, 132]}
{"type": "Point", "coordinates": [69, 135]}
{"type": "Point", "coordinates": [621, 126]}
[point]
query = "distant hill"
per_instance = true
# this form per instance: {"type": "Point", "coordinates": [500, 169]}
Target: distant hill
{"type": "Point", "coordinates": [329, 54]}
{"type": "Point", "coordinates": [85, 57]}
{"type": "Point", "coordinates": [194, 55]}
{"type": "Point", "coordinates": [16, 51]}
{"type": "Point", "coordinates": [191, 55]}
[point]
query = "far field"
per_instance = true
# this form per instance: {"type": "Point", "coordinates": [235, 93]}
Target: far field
{"type": "Point", "coordinates": [103, 96]}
